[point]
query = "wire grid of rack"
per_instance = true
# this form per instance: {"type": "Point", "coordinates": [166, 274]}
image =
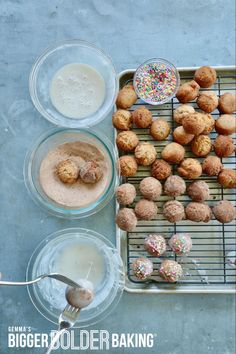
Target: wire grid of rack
{"type": "Point", "coordinates": [208, 267]}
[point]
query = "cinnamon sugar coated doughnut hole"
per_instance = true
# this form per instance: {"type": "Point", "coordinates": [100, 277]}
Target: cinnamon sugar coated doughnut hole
{"type": "Point", "coordinates": [227, 103]}
{"type": "Point", "coordinates": [126, 97]}
{"type": "Point", "coordinates": [174, 186]}
{"type": "Point", "coordinates": [207, 101]}
{"type": "Point", "coordinates": [161, 169]}
{"type": "Point", "coordinates": [127, 141]}
{"type": "Point", "coordinates": [160, 129]}
{"type": "Point", "coordinates": [224, 211]}
{"type": "Point", "coordinates": [201, 145]}
{"type": "Point", "coordinates": [188, 91]}
{"type": "Point", "coordinates": [212, 165]}
{"type": "Point", "coordinates": [181, 137]}
{"type": "Point", "coordinates": [128, 166]}
{"type": "Point", "coordinates": [145, 209]}
{"type": "Point", "coordinates": [145, 154]}
{"type": "Point", "coordinates": [155, 245]}
{"type": "Point", "coordinates": [90, 172]}
{"type": "Point", "coordinates": [190, 168]}
{"type": "Point", "coordinates": [224, 146]}
{"type": "Point", "coordinates": [126, 219]}
{"type": "Point", "coordinates": [198, 212]}
{"type": "Point", "coordinates": [171, 271]}
{"type": "Point", "coordinates": [181, 244]}
{"type": "Point", "coordinates": [125, 194]}
{"type": "Point", "coordinates": [226, 124]}
{"type": "Point", "coordinates": [142, 268]}
{"type": "Point", "coordinates": [150, 188]}
{"type": "Point", "coordinates": [173, 211]}
{"type": "Point", "coordinates": [209, 123]}
{"type": "Point", "coordinates": [142, 117]}
{"type": "Point", "coordinates": [205, 76]}
{"type": "Point", "coordinates": [181, 112]}
{"type": "Point", "coordinates": [122, 119]}
{"type": "Point", "coordinates": [199, 191]}
{"type": "Point", "coordinates": [227, 178]}
{"type": "Point", "coordinates": [194, 123]}
{"type": "Point", "coordinates": [67, 171]}
{"type": "Point", "coordinates": [173, 152]}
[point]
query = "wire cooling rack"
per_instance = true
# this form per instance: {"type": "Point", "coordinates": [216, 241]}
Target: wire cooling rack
{"type": "Point", "coordinates": [208, 267]}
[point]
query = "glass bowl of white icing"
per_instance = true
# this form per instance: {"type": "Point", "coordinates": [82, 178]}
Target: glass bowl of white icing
{"type": "Point", "coordinates": [73, 84]}
{"type": "Point", "coordinates": [79, 254]}
{"type": "Point", "coordinates": [79, 199]}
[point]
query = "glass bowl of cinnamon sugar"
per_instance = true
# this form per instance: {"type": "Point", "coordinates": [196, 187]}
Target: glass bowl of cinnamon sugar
{"type": "Point", "coordinates": [71, 173]}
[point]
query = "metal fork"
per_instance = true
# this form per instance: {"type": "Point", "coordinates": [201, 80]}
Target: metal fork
{"type": "Point", "coordinates": [67, 320]}
{"type": "Point", "coordinates": [56, 276]}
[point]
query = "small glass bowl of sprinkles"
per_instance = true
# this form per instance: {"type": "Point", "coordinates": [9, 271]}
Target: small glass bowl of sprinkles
{"type": "Point", "coordinates": [156, 81]}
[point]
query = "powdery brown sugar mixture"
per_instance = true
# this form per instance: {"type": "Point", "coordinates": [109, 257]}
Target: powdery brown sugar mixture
{"type": "Point", "coordinates": [78, 194]}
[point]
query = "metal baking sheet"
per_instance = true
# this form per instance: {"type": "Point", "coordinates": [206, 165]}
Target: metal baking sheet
{"type": "Point", "coordinates": [206, 268]}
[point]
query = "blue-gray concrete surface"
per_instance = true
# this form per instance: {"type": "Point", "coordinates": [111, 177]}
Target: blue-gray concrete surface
{"type": "Point", "coordinates": [187, 33]}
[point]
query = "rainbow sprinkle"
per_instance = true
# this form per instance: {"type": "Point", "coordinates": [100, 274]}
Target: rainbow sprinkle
{"type": "Point", "coordinates": [155, 82]}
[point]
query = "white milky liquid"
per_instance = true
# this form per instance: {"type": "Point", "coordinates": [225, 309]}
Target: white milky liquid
{"type": "Point", "coordinates": [77, 90]}
{"type": "Point", "coordinates": [82, 261]}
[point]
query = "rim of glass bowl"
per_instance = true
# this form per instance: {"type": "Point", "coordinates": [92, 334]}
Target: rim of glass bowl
{"type": "Point", "coordinates": [30, 288]}
{"type": "Point", "coordinates": [69, 122]}
{"type": "Point", "coordinates": [155, 60]}
{"type": "Point", "coordinates": [60, 211]}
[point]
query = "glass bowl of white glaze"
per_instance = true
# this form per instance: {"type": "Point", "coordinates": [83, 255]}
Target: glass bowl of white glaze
{"type": "Point", "coordinates": [79, 199]}
{"type": "Point", "coordinates": [73, 84]}
{"type": "Point", "coordinates": [76, 253]}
